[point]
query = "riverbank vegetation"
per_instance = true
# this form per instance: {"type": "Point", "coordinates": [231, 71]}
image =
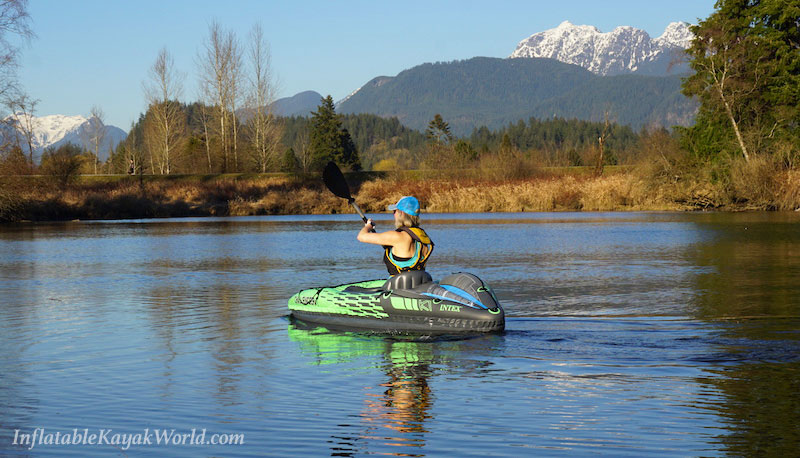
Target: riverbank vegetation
{"type": "Point", "coordinates": [660, 182]}
{"type": "Point", "coordinates": [229, 154]}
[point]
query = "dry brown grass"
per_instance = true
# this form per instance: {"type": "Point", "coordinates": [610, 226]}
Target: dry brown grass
{"type": "Point", "coordinates": [787, 196]}
{"type": "Point", "coordinates": [663, 184]}
{"type": "Point", "coordinates": [539, 195]}
{"type": "Point", "coordinates": [754, 182]}
{"type": "Point", "coordinates": [165, 198]}
{"type": "Point", "coordinates": [287, 196]}
{"type": "Point", "coordinates": [567, 193]}
{"type": "Point", "coordinates": [620, 191]}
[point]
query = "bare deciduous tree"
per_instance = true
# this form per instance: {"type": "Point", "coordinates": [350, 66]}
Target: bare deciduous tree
{"type": "Point", "coordinates": [24, 122]}
{"type": "Point", "coordinates": [235, 82]}
{"type": "Point", "coordinates": [731, 74]}
{"type": "Point", "coordinates": [167, 120]}
{"type": "Point", "coordinates": [205, 119]}
{"type": "Point", "coordinates": [601, 141]}
{"type": "Point", "coordinates": [134, 156]}
{"type": "Point", "coordinates": [95, 134]}
{"type": "Point", "coordinates": [217, 62]}
{"type": "Point", "coordinates": [302, 149]}
{"type": "Point", "coordinates": [14, 20]}
{"type": "Point", "coordinates": [264, 129]}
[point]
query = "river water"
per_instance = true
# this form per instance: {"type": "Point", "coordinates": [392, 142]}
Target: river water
{"type": "Point", "coordinates": [628, 334]}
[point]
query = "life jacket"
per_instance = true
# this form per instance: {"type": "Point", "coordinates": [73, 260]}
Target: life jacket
{"type": "Point", "coordinates": [423, 247]}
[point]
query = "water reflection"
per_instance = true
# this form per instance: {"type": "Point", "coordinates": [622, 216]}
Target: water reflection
{"type": "Point", "coordinates": [395, 411]}
{"type": "Point", "coordinates": [752, 285]}
{"type": "Point", "coordinates": [762, 409]}
{"type": "Point", "coordinates": [759, 378]}
{"type": "Point", "coordinates": [755, 268]}
{"type": "Point", "coordinates": [398, 414]}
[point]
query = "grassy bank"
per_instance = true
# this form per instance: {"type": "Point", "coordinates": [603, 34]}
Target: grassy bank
{"type": "Point", "coordinates": [750, 187]}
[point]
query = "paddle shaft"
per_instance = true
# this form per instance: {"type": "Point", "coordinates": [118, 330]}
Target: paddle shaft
{"type": "Point", "coordinates": [358, 209]}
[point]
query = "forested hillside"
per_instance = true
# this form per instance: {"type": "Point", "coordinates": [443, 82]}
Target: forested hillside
{"type": "Point", "coordinates": [492, 92]}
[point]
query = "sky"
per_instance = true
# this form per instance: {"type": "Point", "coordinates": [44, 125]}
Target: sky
{"type": "Point", "coordinates": [97, 53]}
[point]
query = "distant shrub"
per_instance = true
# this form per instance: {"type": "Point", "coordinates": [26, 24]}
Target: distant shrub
{"type": "Point", "coordinates": [14, 162]}
{"type": "Point", "coordinates": [10, 206]}
{"type": "Point", "coordinates": [63, 164]}
{"type": "Point", "coordinates": [385, 165]}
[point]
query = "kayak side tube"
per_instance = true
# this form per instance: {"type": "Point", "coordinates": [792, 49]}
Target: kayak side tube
{"type": "Point", "coordinates": [464, 306]}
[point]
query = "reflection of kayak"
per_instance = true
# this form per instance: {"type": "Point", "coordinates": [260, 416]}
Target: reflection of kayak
{"type": "Point", "coordinates": [410, 301]}
{"type": "Point", "coordinates": [325, 346]}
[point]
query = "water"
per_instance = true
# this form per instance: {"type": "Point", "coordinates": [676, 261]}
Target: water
{"type": "Point", "coordinates": [631, 334]}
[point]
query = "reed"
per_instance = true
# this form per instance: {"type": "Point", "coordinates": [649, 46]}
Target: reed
{"type": "Point", "coordinates": [755, 182]}
{"type": "Point", "coordinates": [788, 194]}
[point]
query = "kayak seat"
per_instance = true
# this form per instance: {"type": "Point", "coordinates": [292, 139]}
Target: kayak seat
{"type": "Point", "coordinates": [407, 280]}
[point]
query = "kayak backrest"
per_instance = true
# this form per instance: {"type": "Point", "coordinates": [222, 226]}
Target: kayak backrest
{"type": "Point", "coordinates": [407, 280]}
{"type": "Point", "coordinates": [464, 288]}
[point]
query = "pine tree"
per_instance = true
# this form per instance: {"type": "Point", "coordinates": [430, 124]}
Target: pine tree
{"type": "Point", "coordinates": [438, 131]}
{"type": "Point", "coordinates": [289, 162]}
{"type": "Point", "coordinates": [349, 155]}
{"type": "Point", "coordinates": [328, 141]}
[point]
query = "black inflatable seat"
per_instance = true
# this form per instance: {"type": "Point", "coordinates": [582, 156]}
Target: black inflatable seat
{"type": "Point", "coordinates": [407, 280]}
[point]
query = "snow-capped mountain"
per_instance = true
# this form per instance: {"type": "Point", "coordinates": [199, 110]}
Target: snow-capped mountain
{"type": "Point", "coordinates": [56, 130]}
{"type": "Point", "coordinates": [623, 50]}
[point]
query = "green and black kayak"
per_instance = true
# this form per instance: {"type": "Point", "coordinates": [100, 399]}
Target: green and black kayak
{"type": "Point", "coordinates": [409, 302]}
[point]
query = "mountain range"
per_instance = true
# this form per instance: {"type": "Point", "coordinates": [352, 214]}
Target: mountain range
{"type": "Point", "coordinates": [623, 50]}
{"type": "Point", "coordinates": [571, 71]}
{"type": "Point", "coordinates": [57, 130]}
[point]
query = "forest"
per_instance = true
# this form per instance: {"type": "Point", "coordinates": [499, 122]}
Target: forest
{"type": "Point", "coordinates": [381, 144]}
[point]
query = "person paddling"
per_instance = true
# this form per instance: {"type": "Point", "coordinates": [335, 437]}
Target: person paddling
{"type": "Point", "coordinates": [407, 247]}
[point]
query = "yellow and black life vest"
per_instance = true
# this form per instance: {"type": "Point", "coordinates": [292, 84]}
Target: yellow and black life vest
{"type": "Point", "coordinates": [423, 247]}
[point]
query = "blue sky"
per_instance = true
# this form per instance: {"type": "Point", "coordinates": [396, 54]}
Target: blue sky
{"type": "Point", "coordinates": [92, 52]}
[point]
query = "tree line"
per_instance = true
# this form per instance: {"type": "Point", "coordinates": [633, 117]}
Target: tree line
{"type": "Point", "coordinates": [370, 142]}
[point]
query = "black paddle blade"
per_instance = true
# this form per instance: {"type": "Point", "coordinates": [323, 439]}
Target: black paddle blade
{"type": "Point", "coordinates": [334, 180]}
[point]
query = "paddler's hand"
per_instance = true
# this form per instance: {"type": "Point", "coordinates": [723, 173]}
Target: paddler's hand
{"type": "Point", "coordinates": [368, 228]}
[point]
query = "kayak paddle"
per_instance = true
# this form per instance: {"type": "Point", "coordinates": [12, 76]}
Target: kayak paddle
{"type": "Point", "coordinates": [335, 182]}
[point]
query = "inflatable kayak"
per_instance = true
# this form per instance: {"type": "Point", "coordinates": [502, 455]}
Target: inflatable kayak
{"type": "Point", "coordinates": [409, 302]}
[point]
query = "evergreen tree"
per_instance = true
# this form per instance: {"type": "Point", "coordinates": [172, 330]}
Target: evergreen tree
{"type": "Point", "coordinates": [349, 155]}
{"type": "Point", "coordinates": [746, 58]}
{"type": "Point", "coordinates": [289, 162]}
{"type": "Point", "coordinates": [465, 151]}
{"type": "Point", "coordinates": [506, 143]}
{"type": "Point", "coordinates": [327, 139]}
{"type": "Point", "coordinates": [438, 131]}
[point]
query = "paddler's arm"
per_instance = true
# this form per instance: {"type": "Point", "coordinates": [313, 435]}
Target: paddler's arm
{"type": "Point", "coordinates": [388, 238]}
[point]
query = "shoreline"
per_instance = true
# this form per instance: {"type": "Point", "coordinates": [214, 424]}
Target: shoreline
{"type": "Point", "coordinates": [33, 199]}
